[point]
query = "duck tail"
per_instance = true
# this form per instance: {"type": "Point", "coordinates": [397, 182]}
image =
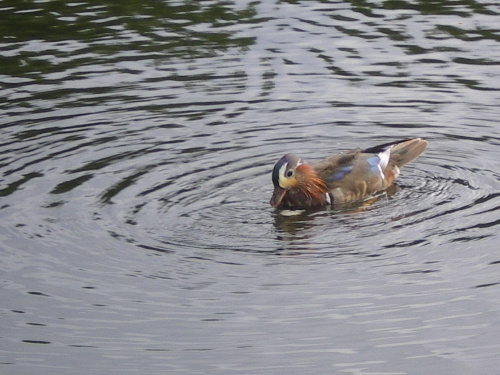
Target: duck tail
{"type": "Point", "coordinates": [403, 152]}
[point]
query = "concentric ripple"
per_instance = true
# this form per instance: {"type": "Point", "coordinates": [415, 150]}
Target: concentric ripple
{"type": "Point", "coordinates": [206, 202]}
{"type": "Point", "coordinates": [136, 149]}
{"type": "Point", "coordinates": [212, 204]}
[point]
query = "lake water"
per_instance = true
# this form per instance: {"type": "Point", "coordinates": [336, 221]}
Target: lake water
{"type": "Point", "coordinates": [136, 150]}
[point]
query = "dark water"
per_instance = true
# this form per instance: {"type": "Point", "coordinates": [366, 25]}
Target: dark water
{"type": "Point", "coordinates": [137, 142]}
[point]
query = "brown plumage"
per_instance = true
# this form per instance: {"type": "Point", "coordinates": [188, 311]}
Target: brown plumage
{"type": "Point", "coordinates": [343, 178]}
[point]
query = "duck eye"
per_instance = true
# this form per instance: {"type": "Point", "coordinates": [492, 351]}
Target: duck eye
{"type": "Point", "coordinates": [289, 173]}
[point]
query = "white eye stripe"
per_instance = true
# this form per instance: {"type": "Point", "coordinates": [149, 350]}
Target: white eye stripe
{"type": "Point", "coordinates": [282, 171]}
{"type": "Point", "coordinates": [286, 173]}
{"type": "Point", "coordinates": [285, 166]}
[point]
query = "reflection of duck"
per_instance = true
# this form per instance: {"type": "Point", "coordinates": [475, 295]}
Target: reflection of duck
{"type": "Point", "coordinates": [343, 178]}
{"type": "Point", "coordinates": [296, 223]}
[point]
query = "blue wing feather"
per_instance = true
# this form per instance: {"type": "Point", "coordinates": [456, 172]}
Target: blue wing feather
{"type": "Point", "coordinates": [340, 173]}
{"type": "Point", "coordinates": [374, 163]}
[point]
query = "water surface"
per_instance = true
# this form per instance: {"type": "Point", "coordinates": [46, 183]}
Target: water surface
{"type": "Point", "coordinates": [137, 143]}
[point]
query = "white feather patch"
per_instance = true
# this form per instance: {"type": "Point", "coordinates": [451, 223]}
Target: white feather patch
{"type": "Point", "coordinates": [327, 198]}
{"type": "Point", "coordinates": [384, 158]}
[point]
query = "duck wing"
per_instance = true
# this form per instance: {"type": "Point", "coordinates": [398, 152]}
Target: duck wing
{"type": "Point", "coordinates": [357, 173]}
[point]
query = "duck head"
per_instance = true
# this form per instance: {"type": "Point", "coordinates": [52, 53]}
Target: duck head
{"type": "Point", "coordinates": [284, 177]}
{"type": "Point", "coordinates": [296, 184]}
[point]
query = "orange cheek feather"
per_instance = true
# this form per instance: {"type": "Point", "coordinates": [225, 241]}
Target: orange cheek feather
{"type": "Point", "coordinates": [307, 176]}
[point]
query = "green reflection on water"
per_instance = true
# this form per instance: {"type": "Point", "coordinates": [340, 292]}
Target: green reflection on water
{"type": "Point", "coordinates": [40, 37]}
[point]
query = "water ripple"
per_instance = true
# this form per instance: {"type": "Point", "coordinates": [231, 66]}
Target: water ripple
{"type": "Point", "coordinates": [138, 140]}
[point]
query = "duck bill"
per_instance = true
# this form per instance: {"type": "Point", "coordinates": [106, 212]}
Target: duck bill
{"type": "Point", "coordinates": [277, 197]}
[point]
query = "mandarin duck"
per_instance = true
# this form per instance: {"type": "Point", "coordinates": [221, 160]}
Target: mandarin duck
{"type": "Point", "coordinates": [347, 177]}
